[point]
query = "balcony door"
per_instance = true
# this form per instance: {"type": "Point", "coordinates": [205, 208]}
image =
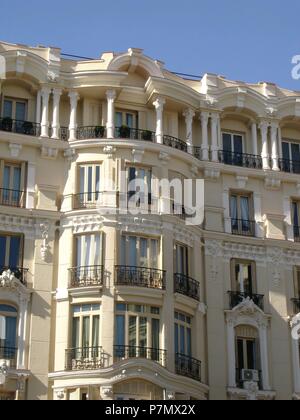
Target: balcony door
{"type": "Point", "coordinates": [241, 211]}
{"type": "Point", "coordinates": [8, 331]}
{"type": "Point", "coordinates": [139, 187]}
{"type": "Point", "coordinates": [297, 282]}
{"type": "Point", "coordinates": [12, 184]}
{"type": "Point", "coordinates": [89, 184]}
{"type": "Point", "coordinates": [181, 259]}
{"type": "Point", "coordinates": [183, 334]}
{"type": "Point", "coordinates": [88, 250]}
{"type": "Point", "coordinates": [233, 149]}
{"type": "Point", "coordinates": [296, 218]}
{"type": "Point", "coordinates": [139, 252]}
{"type": "Point", "coordinates": [291, 157]}
{"type": "Point", "coordinates": [86, 330]}
{"type": "Point", "coordinates": [244, 277]}
{"type": "Point", "coordinates": [126, 118]}
{"type": "Point", "coordinates": [247, 349]}
{"type": "Point", "coordinates": [10, 251]}
{"type": "Point", "coordinates": [14, 109]}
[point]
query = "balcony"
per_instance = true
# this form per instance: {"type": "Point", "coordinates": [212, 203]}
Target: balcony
{"type": "Point", "coordinates": [87, 200]}
{"type": "Point", "coordinates": [188, 366]}
{"type": "Point", "coordinates": [297, 233]}
{"type": "Point", "coordinates": [186, 286]}
{"type": "Point", "coordinates": [175, 143]}
{"type": "Point", "coordinates": [290, 166]}
{"type": "Point", "coordinates": [18, 272]}
{"type": "Point", "coordinates": [84, 358]}
{"type": "Point", "coordinates": [240, 382]}
{"type": "Point", "coordinates": [12, 198]}
{"type": "Point", "coordinates": [150, 278]}
{"type": "Point", "coordinates": [63, 133]}
{"type": "Point", "coordinates": [134, 134]}
{"type": "Point", "coordinates": [296, 303]}
{"type": "Point", "coordinates": [8, 356]}
{"type": "Point", "coordinates": [238, 297]}
{"type": "Point", "coordinates": [86, 276]}
{"type": "Point", "coordinates": [240, 159]}
{"type": "Point", "coordinates": [27, 128]}
{"type": "Point", "coordinates": [135, 352]}
{"type": "Point", "coordinates": [243, 227]}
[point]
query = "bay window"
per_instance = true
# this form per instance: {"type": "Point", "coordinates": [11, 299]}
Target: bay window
{"type": "Point", "coordinates": [183, 334]}
{"type": "Point", "coordinates": [89, 185]}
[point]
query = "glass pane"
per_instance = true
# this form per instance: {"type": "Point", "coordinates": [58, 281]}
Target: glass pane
{"type": "Point", "coordinates": [227, 146]}
{"type": "Point", "coordinates": [2, 251]}
{"type": "Point", "coordinates": [82, 179]}
{"type": "Point", "coordinates": [120, 330]}
{"type": "Point", "coordinates": [87, 250]}
{"type": "Point", "coordinates": [98, 259]}
{"type": "Point", "coordinates": [97, 181]}
{"type": "Point", "coordinates": [96, 324]}
{"type": "Point", "coordinates": [189, 341]}
{"type": "Point", "coordinates": [7, 110]}
{"type": "Point", "coordinates": [238, 144]}
{"type": "Point", "coordinates": [14, 252]}
{"type": "Point", "coordinates": [295, 152]}
{"type": "Point", "coordinates": [143, 252]}
{"type": "Point", "coordinates": [250, 354]}
{"type": "Point", "coordinates": [286, 151]}
{"type": "Point", "coordinates": [7, 308]}
{"type": "Point", "coordinates": [119, 119]}
{"type": "Point", "coordinates": [121, 307]}
{"type": "Point", "coordinates": [10, 332]}
{"type": "Point", "coordinates": [143, 332]}
{"type": "Point", "coordinates": [75, 333]}
{"type": "Point", "coordinates": [20, 111]}
{"type": "Point", "coordinates": [86, 331]}
{"type": "Point", "coordinates": [233, 208]}
{"type": "Point", "coordinates": [129, 120]}
{"type": "Point", "coordinates": [123, 251]}
{"type": "Point", "coordinates": [240, 355]}
{"type": "Point", "coordinates": [182, 339]}
{"type": "Point", "coordinates": [154, 253]}
{"type": "Point", "coordinates": [6, 177]}
{"type": "Point", "coordinates": [90, 183]}
{"type": "Point", "coordinates": [132, 251]}
{"type": "Point", "coordinates": [176, 339]}
{"type": "Point", "coordinates": [132, 330]}
{"type": "Point", "coordinates": [245, 213]}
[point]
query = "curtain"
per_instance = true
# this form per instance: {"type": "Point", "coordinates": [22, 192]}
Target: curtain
{"type": "Point", "coordinates": [245, 213]}
{"type": "Point", "coordinates": [97, 182]}
{"type": "Point", "coordinates": [132, 251]}
{"type": "Point", "coordinates": [86, 331]}
{"type": "Point", "coordinates": [2, 328]}
{"type": "Point", "coordinates": [75, 333]}
{"type": "Point", "coordinates": [96, 325]}
{"type": "Point", "coordinates": [143, 332]}
{"type": "Point", "coordinates": [143, 252]}
{"type": "Point", "coordinates": [234, 211]}
{"type": "Point", "coordinates": [176, 339]}
{"type": "Point", "coordinates": [182, 339]}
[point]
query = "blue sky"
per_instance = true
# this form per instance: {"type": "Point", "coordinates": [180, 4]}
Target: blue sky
{"type": "Point", "coordinates": [252, 40]}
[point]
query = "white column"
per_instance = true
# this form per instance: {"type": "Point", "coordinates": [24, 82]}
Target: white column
{"type": "Point", "coordinates": [30, 185]}
{"type": "Point", "coordinates": [263, 341]}
{"type": "Point", "coordinates": [274, 135]}
{"type": "Point", "coordinates": [280, 142]}
{"type": "Point", "coordinates": [45, 112]}
{"type": "Point", "coordinates": [55, 118]}
{"type": "Point", "coordinates": [189, 115]}
{"type": "Point", "coordinates": [254, 138]}
{"type": "Point", "coordinates": [231, 355]}
{"type": "Point", "coordinates": [288, 219]}
{"type": "Point", "coordinates": [159, 106]}
{"type": "Point", "coordinates": [22, 332]}
{"type": "Point", "coordinates": [204, 123]}
{"type": "Point", "coordinates": [74, 98]}
{"type": "Point", "coordinates": [110, 125]}
{"type": "Point", "coordinates": [296, 365]}
{"type": "Point", "coordinates": [226, 205]}
{"type": "Point", "coordinates": [259, 228]}
{"type": "Point", "coordinates": [38, 107]}
{"type": "Point", "coordinates": [215, 118]}
{"type": "Point", "coordinates": [264, 139]}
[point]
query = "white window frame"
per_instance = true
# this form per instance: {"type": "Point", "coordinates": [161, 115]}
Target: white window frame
{"type": "Point", "coordinates": [150, 262]}
{"type": "Point", "coordinates": [14, 106]}
{"type": "Point", "coordinates": [81, 315]}
{"type": "Point", "coordinates": [232, 134]}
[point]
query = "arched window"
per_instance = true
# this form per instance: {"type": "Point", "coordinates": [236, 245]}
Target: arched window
{"type": "Point", "coordinates": [8, 331]}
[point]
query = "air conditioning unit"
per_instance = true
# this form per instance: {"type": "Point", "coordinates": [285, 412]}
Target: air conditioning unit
{"type": "Point", "coordinates": [249, 375]}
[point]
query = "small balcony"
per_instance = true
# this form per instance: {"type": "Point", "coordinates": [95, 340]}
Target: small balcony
{"type": "Point", "coordinates": [135, 134]}
{"type": "Point", "coordinates": [290, 166]}
{"type": "Point", "coordinates": [83, 201]}
{"type": "Point", "coordinates": [12, 198]}
{"type": "Point", "coordinates": [86, 276]}
{"type": "Point", "coordinates": [235, 298]}
{"type": "Point", "coordinates": [84, 358]}
{"type": "Point", "coordinates": [8, 356]}
{"type": "Point", "coordinates": [242, 227]}
{"type": "Point", "coordinates": [19, 273]}
{"type": "Point", "coordinates": [240, 159]}
{"type": "Point", "coordinates": [149, 278]}
{"type": "Point", "coordinates": [297, 233]}
{"type": "Point", "coordinates": [122, 353]}
{"type": "Point", "coordinates": [186, 286]}
{"type": "Point", "coordinates": [27, 128]}
{"type": "Point", "coordinates": [175, 143]}
{"type": "Point", "coordinates": [188, 366]}
{"type": "Point", "coordinates": [296, 304]}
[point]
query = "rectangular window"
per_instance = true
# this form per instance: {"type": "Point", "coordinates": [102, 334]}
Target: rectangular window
{"type": "Point", "coordinates": [247, 353]}
{"type": "Point", "coordinates": [183, 334]}
{"type": "Point", "coordinates": [88, 250]}
{"type": "Point", "coordinates": [182, 259]}
{"type": "Point", "coordinates": [11, 247]}
{"type": "Point", "coordinates": [12, 184]}
{"type": "Point", "coordinates": [139, 187]}
{"type": "Point", "coordinates": [15, 109]}
{"type": "Point", "coordinates": [291, 157]}
{"type": "Point", "coordinates": [125, 118]}
{"type": "Point", "coordinates": [86, 326]}
{"type": "Point", "coordinates": [233, 149]}
{"type": "Point", "coordinates": [8, 331]}
{"type": "Point", "coordinates": [244, 277]}
{"type": "Point", "coordinates": [140, 252]}
{"type": "Point", "coordinates": [297, 282]}
{"type": "Point", "coordinates": [241, 213]}
{"type": "Point", "coordinates": [89, 185]}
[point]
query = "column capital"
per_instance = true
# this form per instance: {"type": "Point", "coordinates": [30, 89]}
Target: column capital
{"type": "Point", "coordinates": [215, 117]}
{"type": "Point", "coordinates": [45, 92]}
{"type": "Point", "coordinates": [74, 96]}
{"type": "Point", "coordinates": [263, 126]}
{"type": "Point", "coordinates": [159, 103]}
{"type": "Point", "coordinates": [274, 125]}
{"type": "Point", "coordinates": [57, 92]}
{"type": "Point", "coordinates": [111, 94]}
{"type": "Point", "coordinates": [189, 114]}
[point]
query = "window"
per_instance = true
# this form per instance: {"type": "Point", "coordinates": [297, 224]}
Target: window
{"type": "Point", "coordinates": [137, 326]}
{"type": "Point", "coordinates": [12, 177]}
{"type": "Point", "coordinates": [89, 184]}
{"type": "Point", "coordinates": [11, 251]}
{"type": "Point", "coordinates": [183, 334]}
{"type": "Point", "coordinates": [296, 219]}
{"type": "Point", "coordinates": [139, 187]}
{"type": "Point", "coordinates": [140, 252]}
{"type": "Point", "coordinates": [247, 348]}
{"type": "Point", "coordinates": [291, 157]}
{"type": "Point", "coordinates": [233, 149]}
{"type": "Point", "coordinates": [86, 326]}
{"type": "Point", "coordinates": [8, 331]}
{"type": "Point", "coordinates": [181, 259]}
{"type": "Point", "coordinates": [244, 277]}
{"type": "Point", "coordinates": [241, 214]}
{"type": "Point", "coordinates": [88, 250]}
{"type": "Point", "coordinates": [126, 118]}
{"type": "Point", "coordinates": [297, 282]}
{"type": "Point", "coordinates": [15, 109]}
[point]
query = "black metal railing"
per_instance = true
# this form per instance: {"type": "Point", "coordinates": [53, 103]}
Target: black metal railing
{"type": "Point", "coordinates": [186, 286]}
{"type": "Point", "coordinates": [240, 382]}
{"type": "Point", "coordinates": [235, 298]}
{"type": "Point", "coordinates": [188, 366]}
{"type": "Point", "coordinates": [243, 227]}
{"type": "Point", "coordinates": [134, 134]}
{"type": "Point", "coordinates": [240, 159]}
{"type": "Point", "coordinates": [135, 352]}
{"type": "Point", "coordinates": [64, 133]}
{"type": "Point", "coordinates": [20, 127]}
{"type": "Point", "coordinates": [197, 152]}
{"type": "Point", "coordinates": [291, 166]}
{"type": "Point", "coordinates": [8, 354]}
{"type": "Point", "coordinates": [84, 358]}
{"type": "Point", "coordinates": [296, 233]}
{"type": "Point", "coordinates": [296, 303]}
{"type": "Point", "coordinates": [19, 273]}
{"type": "Point", "coordinates": [12, 198]}
{"type": "Point", "coordinates": [86, 276]}
{"type": "Point", "coordinates": [87, 200]}
{"type": "Point", "coordinates": [175, 143]}
{"type": "Point", "coordinates": [150, 278]}
{"type": "Point", "coordinates": [91, 132]}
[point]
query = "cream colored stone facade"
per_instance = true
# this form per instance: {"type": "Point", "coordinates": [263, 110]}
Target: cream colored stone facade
{"type": "Point", "coordinates": [107, 295]}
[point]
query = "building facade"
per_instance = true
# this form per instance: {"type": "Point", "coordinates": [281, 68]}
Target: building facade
{"type": "Point", "coordinates": [101, 304]}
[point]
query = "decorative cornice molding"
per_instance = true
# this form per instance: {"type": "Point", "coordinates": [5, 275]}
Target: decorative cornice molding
{"type": "Point", "coordinates": [249, 314]}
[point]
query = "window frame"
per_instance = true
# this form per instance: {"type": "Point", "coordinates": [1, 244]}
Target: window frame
{"type": "Point", "coordinates": [14, 107]}
{"type": "Point", "coordinates": [89, 196]}
{"type": "Point", "coordinates": [233, 134]}
{"type": "Point", "coordinates": [125, 113]}
{"type": "Point", "coordinates": [187, 256]}
{"type": "Point", "coordinates": [7, 250]}
{"type": "Point", "coordinates": [10, 314]}
{"type": "Point", "coordinates": [234, 280]}
{"type": "Point", "coordinates": [91, 314]}
{"type": "Point", "coordinates": [153, 262]}
{"type": "Point", "coordinates": [92, 235]}
{"type": "Point", "coordinates": [181, 324]}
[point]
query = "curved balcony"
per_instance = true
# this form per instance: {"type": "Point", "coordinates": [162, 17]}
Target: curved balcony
{"type": "Point", "coordinates": [83, 201]}
{"type": "Point", "coordinates": [241, 227]}
{"type": "Point", "coordinates": [84, 358]}
{"type": "Point", "coordinates": [18, 272]}
{"type": "Point", "coordinates": [238, 297]}
{"type": "Point", "coordinates": [86, 276]}
{"type": "Point", "coordinates": [27, 128]}
{"type": "Point", "coordinates": [290, 166]}
{"type": "Point", "coordinates": [8, 356]}
{"type": "Point", "coordinates": [12, 198]}
{"type": "Point", "coordinates": [186, 286]}
{"type": "Point", "coordinates": [175, 143]}
{"type": "Point", "coordinates": [240, 159]}
{"type": "Point", "coordinates": [134, 134]}
{"type": "Point", "coordinates": [296, 303]}
{"type": "Point", "coordinates": [149, 278]}
{"type": "Point", "coordinates": [188, 366]}
{"type": "Point", "coordinates": [122, 353]}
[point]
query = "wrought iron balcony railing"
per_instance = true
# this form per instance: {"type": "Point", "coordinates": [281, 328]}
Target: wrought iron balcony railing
{"type": "Point", "coordinates": [88, 200]}
{"type": "Point", "coordinates": [186, 286]}
{"type": "Point", "coordinates": [20, 127]}
{"type": "Point", "coordinates": [243, 227]}
{"type": "Point", "coordinates": [296, 303]}
{"type": "Point", "coordinates": [12, 198]}
{"type": "Point", "coordinates": [19, 273]}
{"type": "Point", "coordinates": [86, 276]}
{"type": "Point", "coordinates": [84, 358]}
{"type": "Point", "coordinates": [63, 133]}
{"type": "Point", "coordinates": [237, 297]}
{"type": "Point", "coordinates": [291, 166]}
{"type": "Point", "coordinates": [188, 366]}
{"type": "Point", "coordinates": [175, 143]}
{"type": "Point", "coordinates": [240, 159]}
{"type": "Point", "coordinates": [135, 352]}
{"type": "Point", "coordinates": [91, 132]}
{"type": "Point", "coordinates": [134, 134]}
{"type": "Point", "coordinates": [297, 233]}
{"type": "Point", "coordinates": [150, 278]}
{"type": "Point", "coordinates": [8, 354]}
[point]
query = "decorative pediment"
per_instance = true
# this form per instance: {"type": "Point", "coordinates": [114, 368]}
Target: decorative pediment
{"type": "Point", "coordinates": [249, 314]}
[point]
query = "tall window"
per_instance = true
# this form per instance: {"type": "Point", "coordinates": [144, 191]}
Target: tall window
{"type": "Point", "coordinates": [297, 282]}
{"type": "Point", "coordinates": [15, 109]}
{"type": "Point", "coordinates": [233, 148]}
{"type": "Point", "coordinates": [139, 186]}
{"type": "Point", "coordinates": [126, 118]}
{"type": "Point", "coordinates": [244, 277]}
{"type": "Point", "coordinates": [137, 326]}
{"type": "Point", "coordinates": [296, 219]}
{"type": "Point", "coordinates": [291, 156]}
{"type": "Point", "coordinates": [8, 331]}
{"type": "Point", "coordinates": [247, 348]}
{"type": "Point", "coordinates": [88, 250]}
{"type": "Point", "coordinates": [241, 214]}
{"type": "Point", "coordinates": [86, 326]}
{"type": "Point", "coordinates": [10, 251]}
{"type": "Point", "coordinates": [140, 252]}
{"type": "Point", "coordinates": [12, 177]}
{"type": "Point", "coordinates": [183, 334]}
{"type": "Point", "coordinates": [89, 184]}
{"type": "Point", "coordinates": [181, 259]}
